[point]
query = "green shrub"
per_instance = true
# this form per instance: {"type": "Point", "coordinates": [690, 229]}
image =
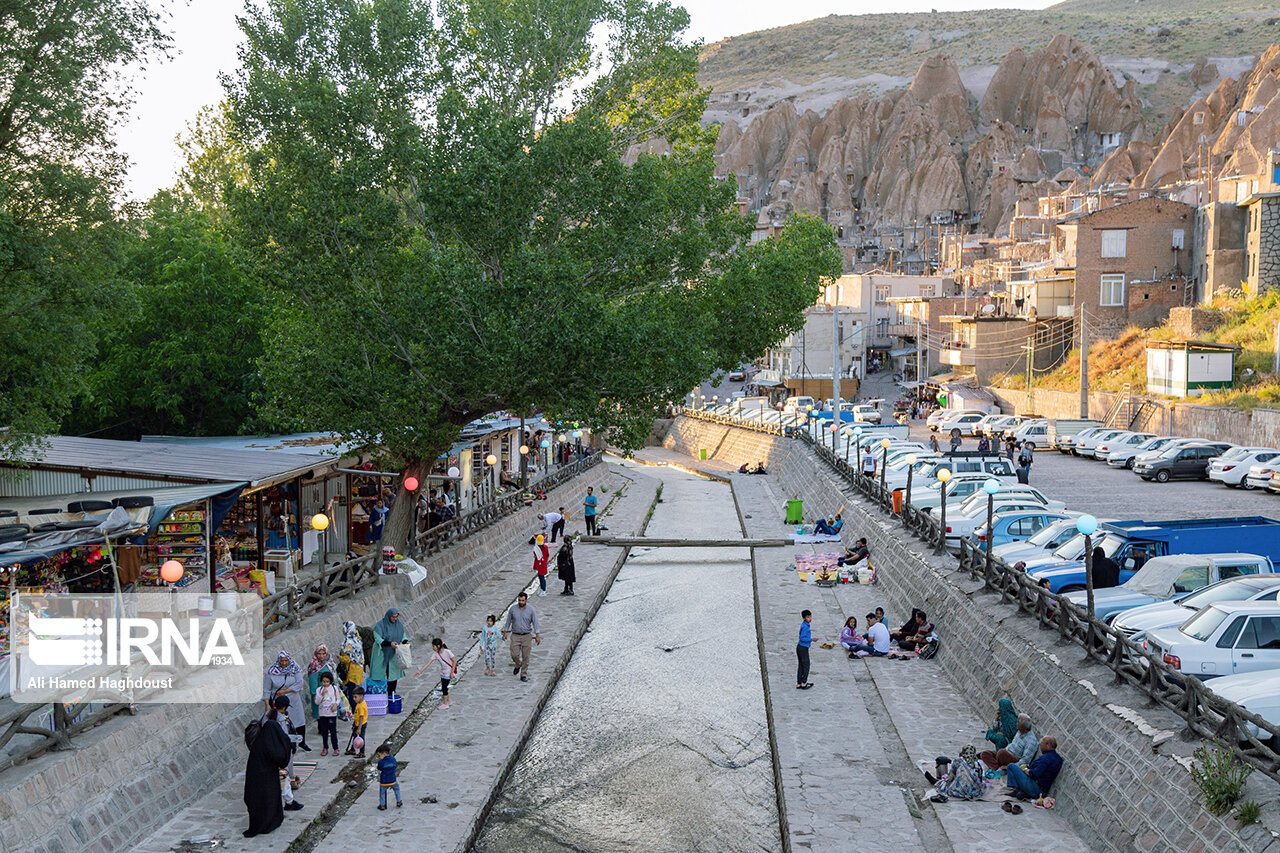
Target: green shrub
{"type": "Point", "coordinates": [1248, 812]}
{"type": "Point", "coordinates": [1220, 777]}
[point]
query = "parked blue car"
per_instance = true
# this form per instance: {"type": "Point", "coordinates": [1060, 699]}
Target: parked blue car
{"type": "Point", "coordinates": [1014, 526]}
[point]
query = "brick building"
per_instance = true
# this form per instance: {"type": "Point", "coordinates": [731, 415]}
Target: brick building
{"type": "Point", "coordinates": [1139, 244]}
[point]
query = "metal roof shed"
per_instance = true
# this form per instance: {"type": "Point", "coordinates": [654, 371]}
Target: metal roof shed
{"type": "Point", "coordinates": [1189, 368]}
{"type": "Point", "coordinates": [66, 464]}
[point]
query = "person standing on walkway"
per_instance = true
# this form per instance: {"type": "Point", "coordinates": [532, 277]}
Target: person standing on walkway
{"type": "Point", "coordinates": [448, 668]}
{"type": "Point", "coordinates": [565, 569]}
{"type": "Point", "coordinates": [522, 625]}
{"type": "Point", "coordinates": [802, 650]}
{"type": "Point", "coordinates": [320, 663]}
{"type": "Point", "coordinates": [268, 755]}
{"type": "Point", "coordinates": [388, 634]}
{"type": "Point", "coordinates": [284, 679]}
{"type": "Point", "coordinates": [387, 776]}
{"type": "Point", "coordinates": [377, 518]}
{"type": "Point", "coordinates": [541, 559]}
{"type": "Point", "coordinates": [327, 699]}
{"type": "Point", "coordinates": [869, 465]}
{"type": "Point", "coordinates": [489, 644]}
{"type": "Point", "coordinates": [589, 506]}
{"type": "Point", "coordinates": [351, 660]}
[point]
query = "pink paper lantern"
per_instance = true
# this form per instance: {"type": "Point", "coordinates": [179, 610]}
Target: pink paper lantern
{"type": "Point", "coordinates": [411, 483]}
{"type": "Point", "coordinates": [171, 571]}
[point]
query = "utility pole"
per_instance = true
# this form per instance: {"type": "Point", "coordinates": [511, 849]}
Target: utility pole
{"type": "Point", "coordinates": [1030, 347]}
{"type": "Point", "coordinates": [919, 367]}
{"type": "Point", "coordinates": [1084, 364]}
{"type": "Point", "coordinates": [835, 365]}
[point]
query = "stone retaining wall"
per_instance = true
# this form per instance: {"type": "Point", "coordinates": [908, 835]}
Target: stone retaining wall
{"type": "Point", "coordinates": [130, 775]}
{"type": "Point", "coordinates": [727, 444]}
{"type": "Point", "coordinates": [1126, 785]}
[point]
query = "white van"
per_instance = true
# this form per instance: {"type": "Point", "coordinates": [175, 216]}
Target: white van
{"type": "Point", "coordinates": [797, 404]}
{"type": "Point", "coordinates": [1036, 432]}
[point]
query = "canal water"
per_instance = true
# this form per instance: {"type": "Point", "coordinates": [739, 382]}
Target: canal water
{"type": "Point", "coordinates": [655, 737]}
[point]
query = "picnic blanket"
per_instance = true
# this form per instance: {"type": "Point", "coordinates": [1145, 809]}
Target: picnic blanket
{"type": "Point", "coordinates": [809, 538]}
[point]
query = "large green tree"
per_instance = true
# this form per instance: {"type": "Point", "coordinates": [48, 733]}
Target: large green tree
{"type": "Point", "coordinates": [62, 94]}
{"type": "Point", "coordinates": [181, 356]}
{"type": "Point", "coordinates": [475, 207]}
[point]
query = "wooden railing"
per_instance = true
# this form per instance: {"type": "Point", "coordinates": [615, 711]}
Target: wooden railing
{"type": "Point", "coordinates": [14, 720]}
{"type": "Point", "coordinates": [1207, 715]}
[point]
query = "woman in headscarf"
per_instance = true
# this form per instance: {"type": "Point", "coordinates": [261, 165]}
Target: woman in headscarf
{"type": "Point", "coordinates": [565, 568]}
{"type": "Point", "coordinates": [1006, 725]}
{"type": "Point", "coordinates": [351, 656]}
{"type": "Point", "coordinates": [387, 635]}
{"type": "Point", "coordinates": [268, 755]}
{"type": "Point", "coordinates": [284, 678]}
{"type": "Point", "coordinates": [319, 663]}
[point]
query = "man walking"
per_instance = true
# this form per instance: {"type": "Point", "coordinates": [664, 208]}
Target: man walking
{"type": "Point", "coordinates": [589, 505]}
{"type": "Point", "coordinates": [522, 625]}
{"type": "Point", "coordinates": [802, 650]}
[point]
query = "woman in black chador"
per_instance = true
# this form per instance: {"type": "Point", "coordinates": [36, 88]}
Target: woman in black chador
{"type": "Point", "coordinates": [268, 755]}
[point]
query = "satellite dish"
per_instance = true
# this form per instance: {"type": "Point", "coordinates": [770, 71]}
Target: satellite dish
{"type": "Point", "coordinates": [988, 309]}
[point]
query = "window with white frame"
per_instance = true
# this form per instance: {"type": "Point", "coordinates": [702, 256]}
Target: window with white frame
{"type": "Point", "coordinates": [1113, 243]}
{"type": "Point", "coordinates": [1112, 289]}
{"type": "Point", "coordinates": [926, 290]}
{"type": "Point", "coordinates": [882, 294]}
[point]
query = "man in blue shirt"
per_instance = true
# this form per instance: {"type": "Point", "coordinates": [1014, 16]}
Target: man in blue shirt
{"type": "Point", "coordinates": [589, 505]}
{"type": "Point", "coordinates": [802, 651]}
{"type": "Point", "coordinates": [1030, 782]}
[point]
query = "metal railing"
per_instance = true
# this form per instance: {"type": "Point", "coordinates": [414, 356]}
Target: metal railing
{"type": "Point", "coordinates": [1207, 715]}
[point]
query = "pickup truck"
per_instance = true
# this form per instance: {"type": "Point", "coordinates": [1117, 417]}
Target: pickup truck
{"type": "Point", "coordinates": [1060, 428]}
{"type": "Point", "coordinates": [1132, 543]}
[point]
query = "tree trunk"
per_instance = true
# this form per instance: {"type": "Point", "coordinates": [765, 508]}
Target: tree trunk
{"type": "Point", "coordinates": [401, 524]}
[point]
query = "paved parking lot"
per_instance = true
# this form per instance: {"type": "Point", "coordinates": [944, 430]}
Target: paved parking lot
{"type": "Point", "coordinates": [1106, 492]}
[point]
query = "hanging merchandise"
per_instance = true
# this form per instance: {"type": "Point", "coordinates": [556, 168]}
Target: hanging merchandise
{"type": "Point", "coordinates": [389, 566]}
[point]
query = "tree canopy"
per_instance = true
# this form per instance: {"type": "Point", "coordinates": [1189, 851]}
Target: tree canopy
{"type": "Point", "coordinates": [62, 91]}
{"type": "Point", "coordinates": [476, 208]}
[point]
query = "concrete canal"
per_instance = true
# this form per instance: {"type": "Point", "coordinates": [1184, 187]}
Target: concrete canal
{"type": "Point", "coordinates": [655, 738]}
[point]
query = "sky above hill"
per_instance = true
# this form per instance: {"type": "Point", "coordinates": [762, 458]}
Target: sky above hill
{"type": "Point", "coordinates": [205, 35]}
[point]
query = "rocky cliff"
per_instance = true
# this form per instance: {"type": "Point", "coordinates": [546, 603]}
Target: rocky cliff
{"type": "Point", "coordinates": [932, 151]}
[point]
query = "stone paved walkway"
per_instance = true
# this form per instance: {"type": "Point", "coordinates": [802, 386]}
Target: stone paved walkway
{"type": "Point", "coordinates": [458, 754]}
{"type": "Point", "coordinates": [850, 747]}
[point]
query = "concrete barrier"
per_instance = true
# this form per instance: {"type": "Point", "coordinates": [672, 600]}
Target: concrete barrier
{"type": "Point", "coordinates": [1126, 785]}
{"type": "Point", "coordinates": [130, 775]}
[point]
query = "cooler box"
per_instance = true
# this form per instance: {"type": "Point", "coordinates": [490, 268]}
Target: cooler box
{"type": "Point", "coordinates": [395, 704]}
{"type": "Point", "coordinates": [377, 704]}
{"type": "Point", "coordinates": [795, 511]}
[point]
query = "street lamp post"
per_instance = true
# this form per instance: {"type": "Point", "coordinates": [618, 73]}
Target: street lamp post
{"type": "Point", "coordinates": [990, 487]}
{"type": "Point", "coordinates": [944, 475]}
{"type": "Point", "coordinates": [906, 504]}
{"type": "Point", "coordinates": [833, 440]}
{"type": "Point", "coordinates": [1088, 525]}
{"type": "Point", "coordinates": [848, 445]}
{"type": "Point", "coordinates": [884, 459]}
{"type": "Point", "coordinates": [857, 439]}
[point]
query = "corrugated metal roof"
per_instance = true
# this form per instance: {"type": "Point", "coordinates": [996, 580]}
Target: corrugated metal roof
{"type": "Point", "coordinates": [170, 461]}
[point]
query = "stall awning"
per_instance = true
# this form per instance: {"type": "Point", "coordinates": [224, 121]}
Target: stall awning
{"type": "Point", "coordinates": [165, 500]}
{"type": "Point", "coordinates": [898, 353]}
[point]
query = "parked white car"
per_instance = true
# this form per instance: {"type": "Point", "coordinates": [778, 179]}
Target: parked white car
{"type": "Point", "coordinates": [1135, 623]}
{"type": "Point", "coordinates": [1231, 468]}
{"type": "Point", "coordinates": [1043, 541]}
{"type": "Point", "coordinates": [1258, 476]}
{"type": "Point", "coordinates": [1152, 455]}
{"type": "Point", "coordinates": [946, 416]}
{"type": "Point", "coordinates": [1122, 457]}
{"type": "Point", "coordinates": [1036, 432]}
{"type": "Point", "coordinates": [1084, 446]}
{"type": "Point", "coordinates": [969, 486]}
{"type": "Point", "coordinates": [963, 422]}
{"type": "Point", "coordinates": [1224, 638]}
{"type": "Point", "coordinates": [1256, 692]}
{"type": "Point", "coordinates": [1103, 448]}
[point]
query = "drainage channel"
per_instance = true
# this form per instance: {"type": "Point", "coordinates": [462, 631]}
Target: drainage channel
{"type": "Point", "coordinates": [655, 737]}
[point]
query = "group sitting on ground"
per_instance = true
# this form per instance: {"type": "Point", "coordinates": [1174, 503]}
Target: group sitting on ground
{"type": "Point", "coordinates": [744, 468]}
{"type": "Point", "coordinates": [1030, 764]}
{"type": "Point", "coordinates": [915, 632]}
{"type": "Point", "coordinates": [873, 642]}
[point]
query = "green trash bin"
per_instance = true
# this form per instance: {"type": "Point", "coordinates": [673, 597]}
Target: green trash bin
{"type": "Point", "coordinates": [795, 511]}
{"type": "Point", "coordinates": [702, 454]}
